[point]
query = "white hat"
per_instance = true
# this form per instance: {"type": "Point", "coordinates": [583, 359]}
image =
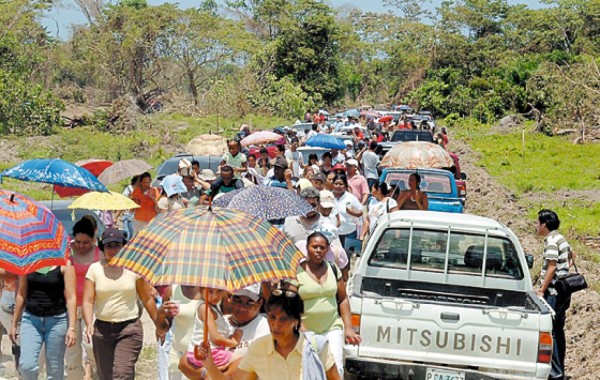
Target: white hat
{"type": "Point", "coordinates": [326, 199]}
{"type": "Point", "coordinates": [352, 162]}
{"type": "Point", "coordinates": [252, 292]}
{"type": "Point", "coordinates": [207, 175]}
{"type": "Point", "coordinates": [348, 142]}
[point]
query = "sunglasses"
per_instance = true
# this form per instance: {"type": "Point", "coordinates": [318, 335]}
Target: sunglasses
{"type": "Point", "coordinates": [287, 293]}
{"type": "Point", "coordinates": [113, 245]}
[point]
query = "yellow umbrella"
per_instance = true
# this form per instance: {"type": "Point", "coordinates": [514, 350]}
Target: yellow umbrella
{"type": "Point", "coordinates": [103, 201]}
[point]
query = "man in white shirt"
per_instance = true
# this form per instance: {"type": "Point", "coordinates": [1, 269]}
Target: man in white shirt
{"type": "Point", "coordinates": [294, 158]}
{"type": "Point", "coordinates": [370, 162]}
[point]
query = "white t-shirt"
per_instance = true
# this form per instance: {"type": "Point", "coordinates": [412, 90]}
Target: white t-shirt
{"type": "Point", "coordinates": [295, 159]}
{"type": "Point", "coordinates": [370, 161]}
{"type": "Point", "coordinates": [257, 328]}
{"type": "Point", "coordinates": [348, 221]}
{"type": "Point", "coordinates": [377, 208]}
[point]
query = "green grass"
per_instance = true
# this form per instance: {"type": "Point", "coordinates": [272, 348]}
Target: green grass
{"type": "Point", "coordinates": [188, 127]}
{"type": "Point", "coordinates": [145, 143]}
{"type": "Point", "coordinates": [542, 164]}
{"type": "Point", "coordinates": [577, 217]}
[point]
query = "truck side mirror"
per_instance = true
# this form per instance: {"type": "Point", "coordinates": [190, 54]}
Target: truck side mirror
{"type": "Point", "coordinates": [463, 176]}
{"type": "Point", "coordinates": [529, 259]}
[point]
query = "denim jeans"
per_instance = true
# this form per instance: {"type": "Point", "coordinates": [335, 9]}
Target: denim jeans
{"type": "Point", "coordinates": [163, 356]}
{"type": "Point", "coordinates": [560, 304]}
{"type": "Point", "coordinates": [51, 332]}
{"type": "Point", "coordinates": [128, 226]}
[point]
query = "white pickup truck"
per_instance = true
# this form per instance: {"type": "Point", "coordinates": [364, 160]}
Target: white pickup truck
{"type": "Point", "coordinates": [441, 296]}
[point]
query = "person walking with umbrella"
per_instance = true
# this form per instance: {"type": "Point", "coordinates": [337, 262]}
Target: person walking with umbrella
{"type": "Point", "coordinates": [285, 353]}
{"type": "Point", "coordinates": [46, 307]}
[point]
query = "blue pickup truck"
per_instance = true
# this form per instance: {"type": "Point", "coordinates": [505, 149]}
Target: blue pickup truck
{"type": "Point", "coordinates": [439, 185]}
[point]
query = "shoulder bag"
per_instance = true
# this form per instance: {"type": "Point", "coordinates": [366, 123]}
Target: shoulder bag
{"type": "Point", "coordinates": [571, 282]}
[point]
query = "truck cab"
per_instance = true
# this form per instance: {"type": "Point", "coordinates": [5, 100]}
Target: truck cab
{"type": "Point", "coordinates": [439, 185]}
{"type": "Point", "coordinates": [441, 296]}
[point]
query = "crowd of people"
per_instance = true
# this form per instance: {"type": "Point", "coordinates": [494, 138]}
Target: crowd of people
{"type": "Point", "coordinates": [87, 313]}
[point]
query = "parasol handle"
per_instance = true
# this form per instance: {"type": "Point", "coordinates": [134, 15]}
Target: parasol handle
{"type": "Point", "coordinates": [205, 327]}
{"type": "Point", "coordinates": [12, 198]}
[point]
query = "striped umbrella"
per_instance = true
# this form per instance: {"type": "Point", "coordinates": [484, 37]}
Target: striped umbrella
{"type": "Point", "coordinates": [31, 237]}
{"type": "Point", "coordinates": [218, 248]}
{"type": "Point", "coordinates": [417, 154]}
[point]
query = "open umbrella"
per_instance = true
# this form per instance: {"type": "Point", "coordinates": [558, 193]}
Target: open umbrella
{"type": "Point", "coordinates": [211, 248]}
{"type": "Point", "coordinates": [31, 236]}
{"type": "Point", "coordinates": [417, 154]}
{"type": "Point", "coordinates": [326, 141]}
{"type": "Point", "coordinates": [96, 167]}
{"type": "Point", "coordinates": [370, 113]}
{"type": "Point", "coordinates": [217, 248]}
{"type": "Point", "coordinates": [261, 137]}
{"type": "Point", "coordinates": [386, 119]}
{"type": "Point", "coordinates": [353, 112]}
{"type": "Point", "coordinates": [110, 201]}
{"type": "Point", "coordinates": [265, 202]}
{"type": "Point", "coordinates": [123, 170]}
{"type": "Point", "coordinates": [56, 172]}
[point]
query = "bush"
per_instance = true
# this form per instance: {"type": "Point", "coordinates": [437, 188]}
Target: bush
{"type": "Point", "coordinates": [26, 108]}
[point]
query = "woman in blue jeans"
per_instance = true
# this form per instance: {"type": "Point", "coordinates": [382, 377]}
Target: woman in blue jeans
{"type": "Point", "coordinates": [46, 307]}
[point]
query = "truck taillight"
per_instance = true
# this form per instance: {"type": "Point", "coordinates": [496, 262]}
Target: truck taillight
{"type": "Point", "coordinates": [356, 322]}
{"type": "Point", "coordinates": [545, 348]}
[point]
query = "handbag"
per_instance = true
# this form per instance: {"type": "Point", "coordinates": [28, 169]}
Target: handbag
{"type": "Point", "coordinates": [571, 282]}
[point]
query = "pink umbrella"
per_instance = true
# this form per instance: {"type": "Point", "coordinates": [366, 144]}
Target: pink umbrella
{"type": "Point", "coordinates": [258, 138]}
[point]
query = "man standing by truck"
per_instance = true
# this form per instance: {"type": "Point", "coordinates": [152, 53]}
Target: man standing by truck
{"type": "Point", "coordinates": [556, 264]}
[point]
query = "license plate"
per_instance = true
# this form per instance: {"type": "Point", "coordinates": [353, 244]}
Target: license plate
{"type": "Point", "coordinates": [443, 374]}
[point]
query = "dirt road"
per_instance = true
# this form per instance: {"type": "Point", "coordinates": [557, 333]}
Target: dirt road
{"type": "Point", "coordinates": [487, 197]}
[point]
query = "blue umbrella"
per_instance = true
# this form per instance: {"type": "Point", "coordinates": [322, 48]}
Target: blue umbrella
{"type": "Point", "coordinates": [326, 141]}
{"type": "Point", "coordinates": [265, 202]}
{"type": "Point", "coordinates": [56, 172]}
{"type": "Point", "coordinates": [352, 112]}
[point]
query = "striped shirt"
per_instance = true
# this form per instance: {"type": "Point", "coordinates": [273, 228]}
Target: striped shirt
{"type": "Point", "coordinates": [556, 248]}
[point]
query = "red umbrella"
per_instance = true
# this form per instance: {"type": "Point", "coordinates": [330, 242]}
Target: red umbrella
{"type": "Point", "coordinates": [386, 119]}
{"type": "Point", "coordinates": [94, 166]}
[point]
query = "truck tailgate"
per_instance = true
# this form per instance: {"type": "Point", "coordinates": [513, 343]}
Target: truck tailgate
{"type": "Point", "coordinates": [479, 337]}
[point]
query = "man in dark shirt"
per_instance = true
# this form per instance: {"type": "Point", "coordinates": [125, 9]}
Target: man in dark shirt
{"type": "Point", "coordinates": [226, 183]}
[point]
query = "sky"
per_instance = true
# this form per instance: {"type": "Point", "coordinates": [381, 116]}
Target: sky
{"type": "Point", "coordinates": [59, 20]}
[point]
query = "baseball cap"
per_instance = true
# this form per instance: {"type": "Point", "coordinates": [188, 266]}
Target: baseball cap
{"type": "Point", "coordinates": [352, 162]}
{"type": "Point", "coordinates": [310, 192]}
{"type": "Point", "coordinates": [348, 143]}
{"type": "Point", "coordinates": [252, 292]}
{"type": "Point", "coordinates": [326, 199]}
{"type": "Point", "coordinates": [281, 162]}
{"type": "Point", "coordinates": [112, 235]}
{"type": "Point", "coordinates": [319, 176]}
